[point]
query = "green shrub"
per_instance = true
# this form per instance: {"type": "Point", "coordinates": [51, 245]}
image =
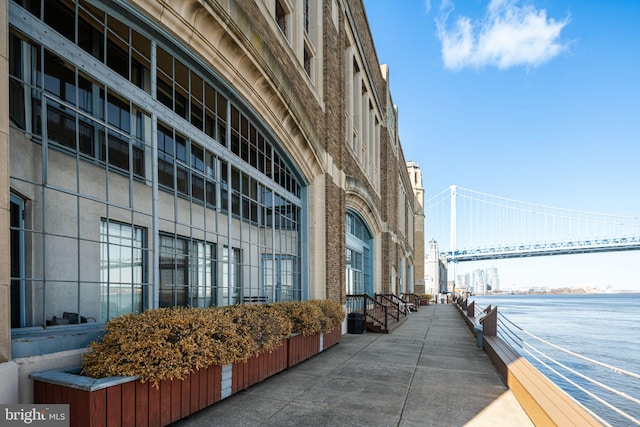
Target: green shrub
{"type": "Point", "coordinates": [170, 343]}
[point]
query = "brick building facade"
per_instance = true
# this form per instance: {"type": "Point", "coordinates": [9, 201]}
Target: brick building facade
{"type": "Point", "coordinates": [162, 153]}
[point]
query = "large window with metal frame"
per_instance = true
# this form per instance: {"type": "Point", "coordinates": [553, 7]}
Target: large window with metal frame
{"type": "Point", "coordinates": [187, 272]}
{"type": "Point", "coordinates": [17, 262]}
{"type": "Point", "coordinates": [81, 115]}
{"type": "Point", "coordinates": [362, 115]}
{"type": "Point", "coordinates": [301, 24]}
{"type": "Point", "coordinates": [122, 269]}
{"type": "Point", "coordinates": [354, 272]}
{"type": "Point", "coordinates": [99, 197]}
{"type": "Point", "coordinates": [279, 278]}
{"type": "Point", "coordinates": [231, 275]}
{"type": "Point", "coordinates": [359, 256]}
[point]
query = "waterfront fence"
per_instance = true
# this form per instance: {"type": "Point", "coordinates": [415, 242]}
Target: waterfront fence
{"type": "Point", "coordinates": [611, 394]}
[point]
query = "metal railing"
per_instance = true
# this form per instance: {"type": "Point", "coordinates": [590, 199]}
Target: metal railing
{"type": "Point", "coordinates": [373, 310]}
{"type": "Point", "coordinates": [393, 303]}
{"type": "Point", "coordinates": [595, 390]}
{"type": "Point", "coordinates": [413, 299]}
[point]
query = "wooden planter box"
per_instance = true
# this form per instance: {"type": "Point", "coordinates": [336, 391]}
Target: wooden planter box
{"type": "Point", "coordinates": [302, 347]}
{"type": "Point", "coordinates": [259, 368]}
{"type": "Point", "coordinates": [424, 301]}
{"type": "Point", "coordinates": [126, 401]}
{"type": "Point", "coordinates": [331, 338]}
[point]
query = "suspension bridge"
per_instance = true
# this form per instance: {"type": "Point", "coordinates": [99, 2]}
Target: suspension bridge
{"type": "Point", "coordinates": [486, 227]}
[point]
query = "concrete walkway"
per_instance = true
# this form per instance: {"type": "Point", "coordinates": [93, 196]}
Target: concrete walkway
{"type": "Point", "coordinates": [428, 372]}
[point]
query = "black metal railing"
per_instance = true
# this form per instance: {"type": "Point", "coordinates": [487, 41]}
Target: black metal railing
{"type": "Point", "coordinates": [374, 311]}
{"type": "Point", "coordinates": [413, 299]}
{"type": "Point", "coordinates": [394, 308]}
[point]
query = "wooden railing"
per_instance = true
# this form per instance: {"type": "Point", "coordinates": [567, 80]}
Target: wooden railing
{"type": "Point", "coordinates": [395, 309]}
{"type": "Point", "coordinates": [373, 310]}
{"type": "Point", "coordinates": [544, 402]}
{"type": "Point", "coordinates": [405, 305]}
{"type": "Point", "coordinates": [411, 298]}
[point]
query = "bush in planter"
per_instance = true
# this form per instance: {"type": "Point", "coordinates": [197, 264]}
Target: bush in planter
{"type": "Point", "coordinates": [305, 317]}
{"type": "Point", "coordinates": [169, 343]}
{"type": "Point", "coordinates": [265, 325]}
{"type": "Point", "coordinates": [333, 314]}
{"type": "Point", "coordinates": [313, 317]}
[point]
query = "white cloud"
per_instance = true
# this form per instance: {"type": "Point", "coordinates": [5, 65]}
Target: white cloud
{"type": "Point", "coordinates": [508, 35]}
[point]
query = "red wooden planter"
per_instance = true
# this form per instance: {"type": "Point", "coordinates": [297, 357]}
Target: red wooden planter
{"type": "Point", "coordinates": [302, 347]}
{"type": "Point", "coordinates": [331, 338]}
{"type": "Point", "coordinates": [259, 368]}
{"type": "Point", "coordinates": [125, 401]}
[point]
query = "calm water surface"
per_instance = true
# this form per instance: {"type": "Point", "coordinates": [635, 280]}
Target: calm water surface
{"type": "Point", "coordinates": [604, 327]}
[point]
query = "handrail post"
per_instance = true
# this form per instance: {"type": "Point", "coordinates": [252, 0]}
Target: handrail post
{"type": "Point", "coordinates": [471, 309]}
{"type": "Point", "coordinates": [490, 323]}
{"type": "Point", "coordinates": [364, 303]}
{"type": "Point", "coordinates": [386, 318]}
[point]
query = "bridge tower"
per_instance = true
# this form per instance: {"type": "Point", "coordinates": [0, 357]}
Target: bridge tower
{"type": "Point", "coordinates": [452, 232]}
{"type": "Point", "coordinates": [453, 221]}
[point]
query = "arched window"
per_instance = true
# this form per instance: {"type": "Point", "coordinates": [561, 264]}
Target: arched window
{"type": "Point", "coordinates": [196, 200]}
{"type": "Point", "coordinates": [359, 256]}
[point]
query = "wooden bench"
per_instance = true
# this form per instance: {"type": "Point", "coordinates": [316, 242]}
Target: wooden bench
{"type": "Point", "coordinates": [543, 401]}
{"type": "Point", "coordinates": [255, 299]}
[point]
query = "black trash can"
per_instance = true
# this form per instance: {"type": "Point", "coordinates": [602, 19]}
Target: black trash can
{"type": "Point", "coordinates": [355, 323]}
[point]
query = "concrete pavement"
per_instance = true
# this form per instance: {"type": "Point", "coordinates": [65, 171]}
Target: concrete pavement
{"type": "Point", "coordinates": [428, 372]}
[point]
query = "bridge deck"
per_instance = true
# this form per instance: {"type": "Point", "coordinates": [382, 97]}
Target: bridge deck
{"type": "Point", "coordinates": [486, 254]}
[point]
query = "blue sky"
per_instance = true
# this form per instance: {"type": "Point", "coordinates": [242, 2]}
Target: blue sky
{"type": "Point", "coordinates": [533, 100]}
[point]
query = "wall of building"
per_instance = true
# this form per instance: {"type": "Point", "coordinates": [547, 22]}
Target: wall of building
{"type": "Point", "coordinates": [5, 273]}
{"type": "Point", "coordinates": [48, 362]}
{"type": "Point", "coordinates": [8, 368]}
{"type": "Point", "coordinates": [415, 176]}
{"type": "Point", "coordinates": [67, 259]}
{"type": "Point", "coordinates": [9, 380]}
{"type": "Point", "coordinates": [238, 41]}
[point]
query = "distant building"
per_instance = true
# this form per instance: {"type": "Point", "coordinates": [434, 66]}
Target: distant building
{"type": "Point", "coordinates": [485, 280]}
{"type": "Point", "coordinates": [478, 282]}
{"type": "Point", "coordinates": [493, 279]}
{"type": "Point", "coordinates": [462, 280]}
{"type": "Point", "coordinates": [436, 270]}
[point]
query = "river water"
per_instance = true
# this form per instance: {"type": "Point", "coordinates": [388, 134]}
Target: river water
{"type": "Point", "coordinates": [604, 327]}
